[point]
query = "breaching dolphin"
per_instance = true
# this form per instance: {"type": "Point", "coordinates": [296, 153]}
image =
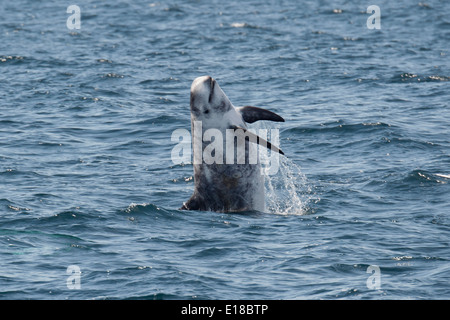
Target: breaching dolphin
{"type": "Point", "coordinates": [223, 181]}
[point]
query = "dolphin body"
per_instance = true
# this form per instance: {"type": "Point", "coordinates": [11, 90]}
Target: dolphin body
{"type": "Point", "coordinates": [222, 186]}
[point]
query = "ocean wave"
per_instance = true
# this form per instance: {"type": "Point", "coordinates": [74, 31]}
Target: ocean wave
{"type": "Point", "coordinates": [244, 25]}
{"type": "Point", "coordinates": [135, 210]}
{"type": "Point", "coordinates": [424, 176]}
{"type": "Point", "coordinates": [406, 142]}
{"type": "Point", "coordinates": [13, 173]}
{"type": "Point", "coordinates": [12, 59]}
{"type": "Point", "coordinates": [412, 77]}
{"type": "Point", "coordinates": [340, 127]}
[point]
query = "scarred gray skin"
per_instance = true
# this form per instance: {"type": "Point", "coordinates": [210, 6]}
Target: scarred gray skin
{"type": "Point", "coordinates": [223, 187]}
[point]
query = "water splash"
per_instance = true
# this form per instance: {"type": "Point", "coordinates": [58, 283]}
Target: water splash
{"type": "Point", "coordinates": [288, 192]}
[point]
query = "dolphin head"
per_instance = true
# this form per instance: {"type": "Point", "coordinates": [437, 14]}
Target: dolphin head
{"type": "Point", "coordinates": [208, 101]}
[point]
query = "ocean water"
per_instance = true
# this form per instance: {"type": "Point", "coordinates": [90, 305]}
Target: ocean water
{"type": "Point", "coordinates": [89, 195]}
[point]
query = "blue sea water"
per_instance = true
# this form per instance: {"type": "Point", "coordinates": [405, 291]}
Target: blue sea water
{"type": "Point", "coordinates": [87, 180]}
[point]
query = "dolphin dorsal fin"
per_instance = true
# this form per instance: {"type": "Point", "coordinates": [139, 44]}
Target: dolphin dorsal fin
{"type": "Point", "coordinates": [251, 114]}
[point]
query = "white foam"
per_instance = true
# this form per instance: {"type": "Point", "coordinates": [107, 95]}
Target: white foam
{"type": "Point", "coordinates": [238, 24]}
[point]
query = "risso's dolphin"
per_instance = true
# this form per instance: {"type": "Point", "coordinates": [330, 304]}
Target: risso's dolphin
{"type": "Point", "coordinates": [227, 170]}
